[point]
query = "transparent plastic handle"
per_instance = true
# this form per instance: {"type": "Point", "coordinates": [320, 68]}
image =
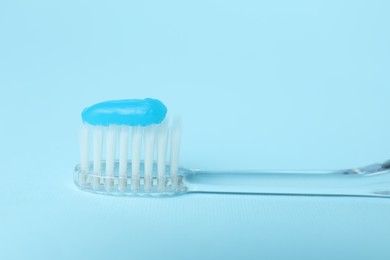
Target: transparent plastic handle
{"type": "Point", "coordinates": [373, 180]}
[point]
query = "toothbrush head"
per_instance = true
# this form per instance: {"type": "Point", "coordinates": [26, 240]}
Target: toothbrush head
{"type": "Point", "coordinates": [124, 147]}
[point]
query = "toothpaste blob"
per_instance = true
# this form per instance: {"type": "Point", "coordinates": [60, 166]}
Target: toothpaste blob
{"type": "Point", "coordinates": [131, 112]}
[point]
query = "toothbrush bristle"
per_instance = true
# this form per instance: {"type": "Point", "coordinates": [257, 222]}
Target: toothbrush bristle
{"type": "Point", "coordinates": [97, 155]}
{"type": "Point", "coordinates": [129, 158]}
{"type": "Point", "coordinates": [136, 157]}
{"type": "Point", "coordinates": [162, 142]}
{"type": "Point", "coordinates": [123, 155]}
{"type": "Point", "coordinates": [110, 157]}
{"type": "Point", "coordinates": [175, 151]}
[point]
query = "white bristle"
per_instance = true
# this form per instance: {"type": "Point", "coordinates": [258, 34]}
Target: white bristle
{"type": "Point", "coordinates": [149, 155]}
{"type": "Point", "coordinates": [112, 144]}
{"type": "Point", "coordinates": [110, 158]}
{"type": "Point", "coordinates": [175, 150]}
{"type": "Point", "coordinates": [97, 155]}
{"type": "Point", "coordinates": [136, 157]}
{"type": "Point", "coordinates": [162, 141]}
{"type": "Point", "coordinates": [84, 156]}
{"type": "Point", "coordinates": [123, 153]}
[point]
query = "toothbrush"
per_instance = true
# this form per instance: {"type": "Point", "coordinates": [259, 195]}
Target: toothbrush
{"type": "Point", "coordinates": [112, 130]}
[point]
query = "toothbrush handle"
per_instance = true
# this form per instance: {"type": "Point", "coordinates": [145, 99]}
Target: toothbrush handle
{"type": "Point", "coordinates": [373, 180]}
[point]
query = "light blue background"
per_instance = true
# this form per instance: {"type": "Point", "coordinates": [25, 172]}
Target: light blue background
{"type": "Point", "coordinates": [258, 85]}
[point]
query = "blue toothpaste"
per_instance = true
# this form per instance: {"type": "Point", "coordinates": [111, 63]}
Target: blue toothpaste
{"type": "Point", "coordinates": [132, 112]}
